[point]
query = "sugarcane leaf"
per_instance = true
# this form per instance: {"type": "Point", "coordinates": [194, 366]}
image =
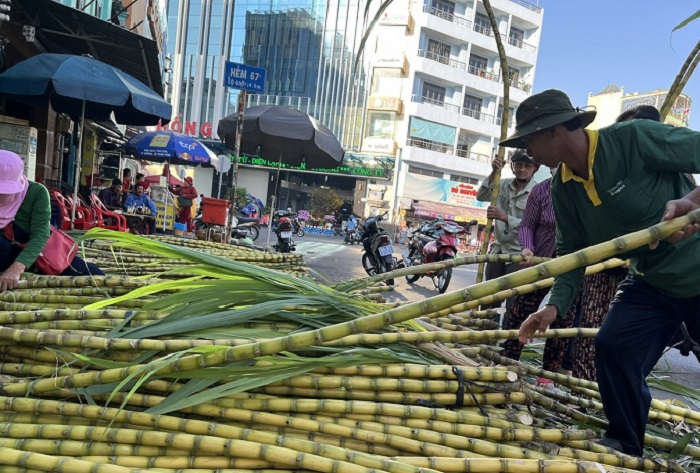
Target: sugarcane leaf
{"type": "Point", "coordinates": [688, 20]}
{"type": "Point", "coordinates": [681, 445]}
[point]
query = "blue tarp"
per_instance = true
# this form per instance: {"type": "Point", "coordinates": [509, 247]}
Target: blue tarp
{"type": "Point", "coordinates": [432, 131]}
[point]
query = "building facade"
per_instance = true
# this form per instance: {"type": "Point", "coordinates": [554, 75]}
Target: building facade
{"type": "Point", "coordinates": [309, 51]}
{"type": "Point", "coordinates": [435, 96]}
{"type": "Point", "coordinates": [613, 100]}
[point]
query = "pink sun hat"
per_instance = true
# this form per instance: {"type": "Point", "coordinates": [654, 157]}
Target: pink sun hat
{"type": "Point", "coordinates": [11, 173]}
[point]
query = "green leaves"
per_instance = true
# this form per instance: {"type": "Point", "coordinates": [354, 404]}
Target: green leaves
{"type": "Point", "coordinates": [688, 20]}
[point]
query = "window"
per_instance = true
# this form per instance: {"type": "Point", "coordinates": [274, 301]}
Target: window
{"type": "Point", "coordinates": [516, 37]}
{"type": "Point", "coordinates": [511, 115]}
{"type": "Point", "coordinates": [482, 24]}
{"type": "Point", "coordinates": [380, 124]}
{"type": "Point", "coordinates": [425, 172]}
{"type": "Point", "coordinates": [477, 64]}
{"type": "Point", "coordinates": [465, 179]}
{"type": "Point", "coordinates": [513, 75]}
{"type": "Point", "coordinates": [438, 51]}
{"type": "Point", "coordinates": [472, 106]}
{"type": "Point", "coordinates": [386, 81]}
{"type": "Point", "coordinates": [433, 93]}
{"type": "Point", "coordinates": [443, 6]}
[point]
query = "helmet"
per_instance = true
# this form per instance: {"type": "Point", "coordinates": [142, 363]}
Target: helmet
{"type": "Point", "coordinates": [522, 156]}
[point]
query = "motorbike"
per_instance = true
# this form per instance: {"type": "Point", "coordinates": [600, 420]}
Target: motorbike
{"type": "Point", "coordinates": [284, 229]}
{"type": "Point", "coordinates": [242, 227]}
{"type": "Point", "coordinates": [378, 253]}
{"type": "Point", "coordinates": [433, 243]}
{"type": "Point", "coordinates": [297, 227]}
{"type": "Point", "coordinates": [352, 237]}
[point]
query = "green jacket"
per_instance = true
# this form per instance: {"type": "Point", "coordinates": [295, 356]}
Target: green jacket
{"type": "Point", "coordinates": [638, 167]}
{"type": "Point", "coordinates": [513, 204]}
{"type": "Point", "coordinates": [34, 217]}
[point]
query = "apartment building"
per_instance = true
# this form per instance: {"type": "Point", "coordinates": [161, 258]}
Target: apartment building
{"type": "Point", "coordinates": [436, 96]}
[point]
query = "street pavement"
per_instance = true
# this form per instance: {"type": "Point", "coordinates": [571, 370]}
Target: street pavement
{"type": "Point", "coordinates": [332, 261]}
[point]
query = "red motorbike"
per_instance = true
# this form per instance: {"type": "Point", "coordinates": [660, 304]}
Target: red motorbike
{"type": "Point", "coordinates": [439, 244]}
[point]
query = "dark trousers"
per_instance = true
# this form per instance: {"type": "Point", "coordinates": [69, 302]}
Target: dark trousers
{"type": "Point", "coordinates": [636, 330]}
{"type": "Point", "coordinates": [496, 270]}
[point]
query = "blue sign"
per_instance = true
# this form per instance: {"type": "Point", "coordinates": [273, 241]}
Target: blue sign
{"type": "Point", "coordinates": [244, 77]}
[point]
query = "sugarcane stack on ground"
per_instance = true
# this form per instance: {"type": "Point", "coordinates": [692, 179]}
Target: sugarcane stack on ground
{"type": "Point", "coordinates": [325, 380]}
{"type": "Point", "coordinates": [133, 262]}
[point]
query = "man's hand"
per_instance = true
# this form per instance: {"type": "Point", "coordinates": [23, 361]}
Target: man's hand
{"type": "Point", "coordinates": [537, 322]}
{"type": "Point", "coordinates": [528, 257]}
{"type": "Point", "coordinates": [10, 278]}
{"type": "Point", "coordinates": [496, 214]}
{"type": "Point", "coordinates": [678, 208]}
{"type": "Point", "coordinates": [497, 163]}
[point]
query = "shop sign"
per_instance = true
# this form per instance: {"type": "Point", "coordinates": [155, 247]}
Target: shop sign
{"type": "Point", "coordinates": [463, 194]}
{"type": "Point", "coordinates": [379, 145]}
{"type": "Point", "coordinates": [349, 168]}
{"type": "Point", "coordinates": [194, 129]}
{"type": "Point", "coordinates": [390, 104]}
{"type": "Point", "coordinates": [392, 62]}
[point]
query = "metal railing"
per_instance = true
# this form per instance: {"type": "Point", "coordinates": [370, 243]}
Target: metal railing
{"type": "Point", "coordinates": [528, 5]}
{"type": "Point", "coordinates": [483, 73]}
{"type": "Point", "coordinates": [430, 145]}
{"type": "Point", "coordinates": [442, 59]}
{"type": "Point", "coordinates": [478, 115]}
{"type": "Point", "coordinates": [519, 43]}
{"type": "Point", "coordinates": [518, 84]}
{"type": "Point", "coordinates": [511, 122]}
{"type": "Point", "coordinates": [485, 30]}
{"type": "Point", "coordinates": [438, 103]}
{"type": "Point", "coordinates": [465, 153]}
{"type": "Point", "coordinates": [457, 20]}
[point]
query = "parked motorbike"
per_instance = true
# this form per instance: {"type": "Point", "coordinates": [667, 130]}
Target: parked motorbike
{"type": "Point", "coordinates": [284, 229]}
{"type": "Point", "coordinates": [378, 254]}
{"type": "Point", "coordinates": [433, 243]}
{"type": "Point", "coordinates": [242, 227]}
{"type": "Point", "coordinates": [352, 237]}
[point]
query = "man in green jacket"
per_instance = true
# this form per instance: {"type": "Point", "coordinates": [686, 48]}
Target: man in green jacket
{"type": "Point", "coordinates": [611, 182]}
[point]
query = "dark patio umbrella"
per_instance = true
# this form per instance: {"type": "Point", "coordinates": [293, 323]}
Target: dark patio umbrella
{"type": "Point", "coordinates": [283, 133]}
{"type": "Point", "coordinates": [83, 87]}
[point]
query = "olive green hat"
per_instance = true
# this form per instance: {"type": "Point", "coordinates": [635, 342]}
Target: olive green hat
{"type": "Point", "coordinates": [542, 111]}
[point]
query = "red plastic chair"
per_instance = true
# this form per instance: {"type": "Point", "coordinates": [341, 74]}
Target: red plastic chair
{"type": "Point", "coordinates": [103, 213]}
{"type": "Point", "coordinates": [85, 217]}
{"type": "Point", "coordinates": [64, 210]}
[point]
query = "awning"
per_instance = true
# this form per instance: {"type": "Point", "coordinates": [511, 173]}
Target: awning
{"type": "Point", "coordinates": [66, 30]}
{"type": "Point", "coordinates": [450, 212]}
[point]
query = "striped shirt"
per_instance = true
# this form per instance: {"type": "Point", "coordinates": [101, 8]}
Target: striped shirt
{"type": "Point", "coordinates": [537, 230]}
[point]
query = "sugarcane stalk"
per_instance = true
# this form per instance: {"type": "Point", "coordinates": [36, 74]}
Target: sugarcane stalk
{"type": "Point", "coordinates": [12, 457]}
{"type": "Point", "coordinates": [481, 373]}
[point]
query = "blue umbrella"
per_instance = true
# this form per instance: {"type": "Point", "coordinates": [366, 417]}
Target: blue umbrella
{"type": "Point", "coordinates": [83, 87]}
{"type": "Point", "coordinates": [168, 146]}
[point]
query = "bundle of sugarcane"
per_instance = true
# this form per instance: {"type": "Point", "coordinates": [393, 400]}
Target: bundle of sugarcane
{"type": "Point", "coordinates": [136, 260]}
{"type": "Point", "coordinates": [354, 386]}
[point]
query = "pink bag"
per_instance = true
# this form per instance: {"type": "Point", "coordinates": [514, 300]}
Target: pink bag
{"type": "Point", "coordinates": [56, 256]}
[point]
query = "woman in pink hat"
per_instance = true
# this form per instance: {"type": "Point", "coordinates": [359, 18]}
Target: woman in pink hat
{"type": "Point", "coordinates": [26, 207]}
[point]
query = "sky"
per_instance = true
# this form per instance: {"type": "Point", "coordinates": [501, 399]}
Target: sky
{"type": "Point", "coordinates": [586, 45]}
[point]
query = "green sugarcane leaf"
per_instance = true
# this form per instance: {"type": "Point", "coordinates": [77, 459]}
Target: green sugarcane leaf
{"type": "Point", "coordinates": [681, 445]}
{"type": "Point", "coordinates": [688, 20]}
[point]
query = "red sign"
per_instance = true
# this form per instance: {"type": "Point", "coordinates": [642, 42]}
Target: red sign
{"type": "Point", "coordinates": [463, 194]}
{"type": "Point", "coordinates": [188, 128]}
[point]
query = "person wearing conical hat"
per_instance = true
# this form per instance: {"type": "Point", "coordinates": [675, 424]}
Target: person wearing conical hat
{"type": "Point", "coordinates": [620, 179]}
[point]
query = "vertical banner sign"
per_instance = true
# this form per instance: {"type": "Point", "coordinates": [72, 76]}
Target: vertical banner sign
{"type": "Point", "coordinates": [246, 79]}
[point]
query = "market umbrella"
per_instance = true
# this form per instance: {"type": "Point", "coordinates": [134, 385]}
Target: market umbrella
{"type": "Point", "coordinates": [166, 146]}
{"type": "Point", "coordinates": [83, 88]}
{"type": "Point", "coordinates": [283, 133]}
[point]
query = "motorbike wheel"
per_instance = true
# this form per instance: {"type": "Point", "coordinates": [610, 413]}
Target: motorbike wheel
{"type": "Point", "coordinates": [415, 261]}
{"type": "Point", "coordinates": [284, 247]}
{"type": "Point", "coordinates": [300, 232]}
{"type": "Point", "coordinates": [443, 277]}
{"type": "Point", "coordinates": [367, 265]}
{"type": "Point", "coordinates": [253, 232]}
{"type": "Point", "coordinates": [388, 265]}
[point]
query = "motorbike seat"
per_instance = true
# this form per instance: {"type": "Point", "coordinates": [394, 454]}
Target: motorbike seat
{"type": "Point", "coordinates": [425, 239]}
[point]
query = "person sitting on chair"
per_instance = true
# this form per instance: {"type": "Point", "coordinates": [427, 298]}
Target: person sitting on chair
{"type": "Point", "coordinates": [139, 200]}
{"type": "Point", "coordinates": [111, 196]}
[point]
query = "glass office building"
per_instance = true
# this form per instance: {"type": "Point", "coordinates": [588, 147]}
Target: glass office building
{"type": "Point", "coordinates": [306, 46]}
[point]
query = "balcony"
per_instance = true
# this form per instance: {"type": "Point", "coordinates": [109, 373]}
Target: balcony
{"type": "Point", "coordinates": [528, 5]}
{"type": "Point", "coordinates": [478, 115]}
{"type": "Point", "coordinates": [522, 85]}
{"type": "Point", "coordinates": [465, 153]}
{"type": "Point", "coordinates": [436, 103]}
{"type": "Point", "coordinates": [484, 30]}
{"type": "Point", "coordinates": [518, 43]}
{"type": "Point", "coordinates": [477, 71]}
{"type": "Point", "coordinates": [430, 145]}
{"type": "Point", "coordinates": [433, 154]}
{"type": "Point", "coordinates": [442, 59]}
{"type": "Point", "coordinates": [457, 20]}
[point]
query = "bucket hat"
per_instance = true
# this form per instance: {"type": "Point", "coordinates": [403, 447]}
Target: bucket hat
{"type": "Point", "coordinates": [544, 110]}
{"type": "Point", "coordinates": [521, 155]}
{"type": "Point", "coordinates": [11, 173]}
